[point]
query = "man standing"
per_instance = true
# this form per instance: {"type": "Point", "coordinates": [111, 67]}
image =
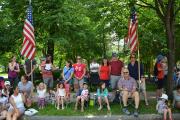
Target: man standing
{"type": "Point", "coordinates": [116, 67]}
{"type": "Point", "coordinates": [133, 68]}
{"type": "Point", "coordinates": [79, 73]}
{"type": "Point", "coordinates": [127, 85]}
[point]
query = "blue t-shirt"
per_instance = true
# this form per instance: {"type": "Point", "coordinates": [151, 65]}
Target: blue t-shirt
{"type": "Point", "coordinates": [25, 87]}
{"type": "Point", "coordinates": [67, 72]}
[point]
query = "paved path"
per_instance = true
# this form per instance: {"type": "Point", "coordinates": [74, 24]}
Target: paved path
{"type": "Point", "coordinates": [114, 117]}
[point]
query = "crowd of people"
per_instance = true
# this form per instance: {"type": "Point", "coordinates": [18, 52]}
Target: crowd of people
{"type": "Point", "coordinates": [110, 74]}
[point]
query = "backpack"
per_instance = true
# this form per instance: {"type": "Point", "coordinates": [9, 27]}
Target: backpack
{"type": "Point", "coordinates": [155, 72]}
{"type": "Point", "coordinates": [155, 69]}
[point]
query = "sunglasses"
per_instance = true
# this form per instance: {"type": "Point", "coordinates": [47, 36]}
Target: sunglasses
{"type": "Point", "coordinates": [133, 57]}
{"type": "Point", "coordinates": [125, 72]}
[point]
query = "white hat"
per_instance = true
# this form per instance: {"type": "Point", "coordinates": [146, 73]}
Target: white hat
{"type": "Point", "coordinates": [7, 83]}
{"type": "Point", "coordinates": [164, 96]}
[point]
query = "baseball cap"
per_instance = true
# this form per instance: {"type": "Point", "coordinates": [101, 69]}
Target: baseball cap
{"type": "Point", "coordinates": [7, 83]}
{"type": "Point", "coordinates": [160, 57]}
{"type": "Point", "coordinates": [114, 54]}
{"type": "Point", "coordinates": [164, 96]}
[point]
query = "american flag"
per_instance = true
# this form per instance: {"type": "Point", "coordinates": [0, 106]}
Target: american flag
{"type": "Point", "coordinates": [132, 31]}
{"type": "Point", "coordinates": [28, 48]}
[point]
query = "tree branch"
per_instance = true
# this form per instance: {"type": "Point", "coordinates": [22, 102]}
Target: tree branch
{"type": "Point", "coordinates": [158, 11]}
{"type": "Point", "coordinates": [162, 6]}
{"type": "Point", "coordinates": [145, 4]}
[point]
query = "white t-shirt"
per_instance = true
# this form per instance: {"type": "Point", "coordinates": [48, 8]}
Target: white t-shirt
{"type": "Point", "coordinates": [41, 93]}
{"type": "Point", "coordinates": [85, 93]}
{"type": "Point", "coordinates": [94, 67]}
{"type": "Point", "coordinates": [61, 92]}
{"type": "Point", "coordinates": [18, 101]}
{"type": "Point", "coordinates": [47, 66]}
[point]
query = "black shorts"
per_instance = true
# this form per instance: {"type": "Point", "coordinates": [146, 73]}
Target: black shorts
{"type": "Point", "coordinates": [160, 83]}
{"type": "Point", "coordinates": [94, 78]}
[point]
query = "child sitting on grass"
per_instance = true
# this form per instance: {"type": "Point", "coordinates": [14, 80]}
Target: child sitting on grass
{"type": "Point", "coordinates": [102, 93]}
{"type": "Point", "coordinates": [60, 95]}
{"type": "Point", "coordinates": [82, 96]}
{"type": "Point", "coordinates": [162, 107]}
{"type": "Point", "coordinates": [3, 106]}
{"type": "Point", "coordinates": [41, 91]}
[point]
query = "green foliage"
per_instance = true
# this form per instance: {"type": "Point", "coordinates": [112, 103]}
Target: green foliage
{"type": "Point", "coordinates": [81, 27]}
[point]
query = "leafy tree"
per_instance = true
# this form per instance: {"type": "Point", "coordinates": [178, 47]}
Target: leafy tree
{"type": "Point", "coordinates": [167, 11]}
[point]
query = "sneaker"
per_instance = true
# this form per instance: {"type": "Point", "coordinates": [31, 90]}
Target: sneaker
{"type": "Point", "coordinates": [147, 104]}
{"type": "Point", "coordinates": [99, 108]}
{"type": "Point", "coordinates": [62, 108]}
{"type": "Point", "coordinates": [126, 111]}
{"type": "Point", "coordinates": [57, 108]}
{"type": "Point", "coordinates": [136, 113]}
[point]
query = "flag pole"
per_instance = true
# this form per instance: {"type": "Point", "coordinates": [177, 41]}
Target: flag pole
{"type": "Point", "coordinates": [31, 72]}
{"type": "Point", "coordinates": [29, 2]}
{"type": "Point", "coordinates": [139, 66]}
{"type": "Point", "coordinates": [31, 59]}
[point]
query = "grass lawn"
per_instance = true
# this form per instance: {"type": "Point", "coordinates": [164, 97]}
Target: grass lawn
{"type": "Point", "coordinates": [150, 87]}
{"type": "Point", "coordinates": [115, 110]}
{"type": "Point", "coordinates": [5, 75]}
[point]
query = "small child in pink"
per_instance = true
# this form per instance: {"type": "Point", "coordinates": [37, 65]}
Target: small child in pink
{"type": "Point", "coordinates": [41, 91]}
{"type": "Point", "coordinates": [83, 97]}
{"type": "Point", "coordinates": [60, 95]}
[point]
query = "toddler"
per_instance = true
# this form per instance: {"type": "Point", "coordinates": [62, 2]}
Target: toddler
{"type": "Point", "coordinates": [41, 91]}
{"type": "Point", "coordinates": [60, 95]}
{"type": "Point", "coordinates": [162, 107]}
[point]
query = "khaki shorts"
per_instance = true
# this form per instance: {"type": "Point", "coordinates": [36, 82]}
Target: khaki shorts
{"type": "Point", "coordinates": [114, 81]}
{"type": "Point", "coordinates": [78, 82]}
{"type": "Point", "coordinates": [142, 86]}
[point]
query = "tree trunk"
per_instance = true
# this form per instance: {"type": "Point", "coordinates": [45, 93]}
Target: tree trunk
{"type": "Point", "coordinates": [171, 53]}
{"type": "Point", "coordinates": [104, 45]}
{"type": "Point", "coordinates": [50, 49]}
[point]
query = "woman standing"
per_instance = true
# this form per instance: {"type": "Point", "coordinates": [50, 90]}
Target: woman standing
{"type": "Point", "coordinates": [26, 88]}
{"type": "Point", "coordinates": [13, 70]}
{"type": "Point", "coordinates": [67, 74]}
{"type": "Point", "coordinates": [104, 72]}
{"type": "Point", "coordinates": [94, 77]}
{"type": "Point", "coordinates": [17, 105]}
{"type": "Point", "coordinates": [47, 72]}
{"type": "Point", "coordinates": [79, 73]}
{"type": "Point", "coordinates": [160, 75]}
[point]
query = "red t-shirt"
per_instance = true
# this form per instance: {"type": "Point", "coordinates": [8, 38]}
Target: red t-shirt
{"type": "Point", "coordinates": [116, 67]}
{"type": "Point", "coordinates": [160, 75]}
{"type": "Point", "coordinates": [79, 69]}
{"type": "Point", "coordinates": [46, 73]}
{"type": "Point", "coordinates": [104, 73]}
